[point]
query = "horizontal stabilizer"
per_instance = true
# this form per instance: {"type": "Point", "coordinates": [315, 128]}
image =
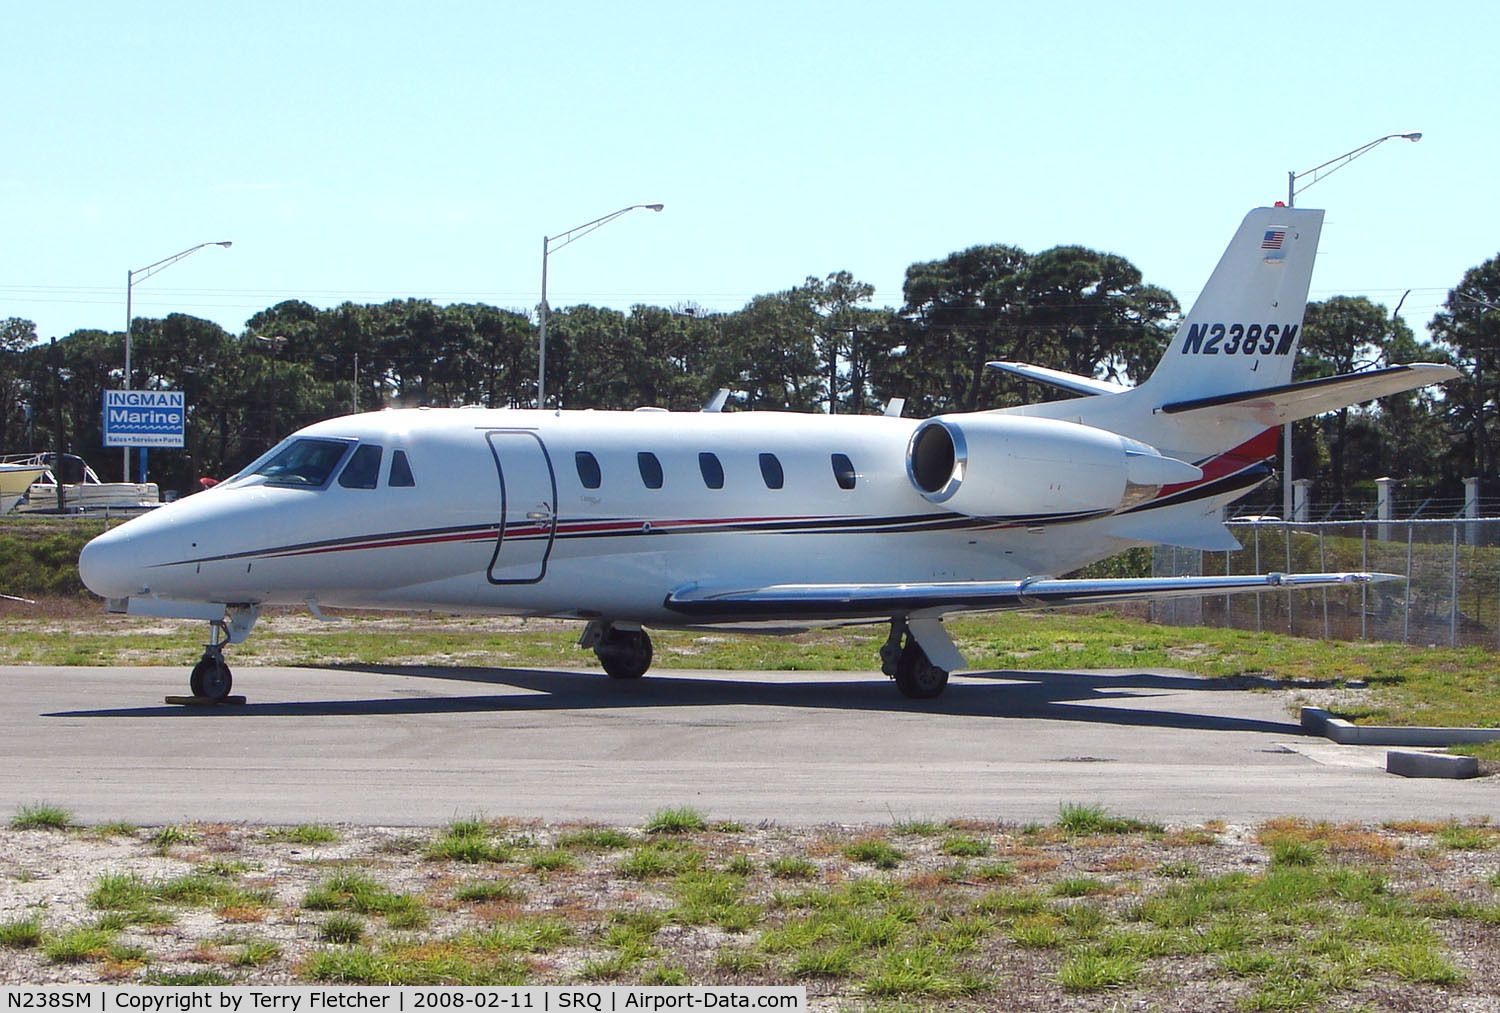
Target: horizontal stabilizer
{"type": "Point", "coordinates": [1058, 378]}
{"type": "Point", "coordinates": [1272, 406]}
{"type": "Point", "coordinates": [850, 601]}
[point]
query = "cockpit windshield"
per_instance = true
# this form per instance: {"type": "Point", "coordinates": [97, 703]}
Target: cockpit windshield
{"type": "Point", "coordinates": [304, 462]}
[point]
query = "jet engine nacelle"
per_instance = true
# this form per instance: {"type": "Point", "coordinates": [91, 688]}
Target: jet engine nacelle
{"type": "Point", "coordinates": [1011, 466]}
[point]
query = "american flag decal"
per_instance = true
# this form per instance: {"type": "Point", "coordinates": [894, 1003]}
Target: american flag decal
{"type": "Point", "coordinates": [1273, 239]}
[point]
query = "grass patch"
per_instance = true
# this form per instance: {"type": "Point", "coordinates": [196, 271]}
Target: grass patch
{"type": "Point", "coordinates": [657, 859]}
{"type": "Point", "coordinates": [342, 928]}
{"type": "Point", "coordinates": [595, 839]}
{"type": "Point", "coordinates": [78, 946]}
{"type": "Point", "coordinates": [255, 953]}
{"type": "Point", "coordinates": [1093, 971]}
{"type": "Point", "coordinates": [1078, 820]}
{"type": "Point", "coordinates": [22, 934]}
{"type": "Point", "coordinates": [876, 852]}
{"type": "Point", "coordinates": [490, 891]}
{"type": "Point", "coordinates": [419, 964]}
{"type": "Point", "coordinates": [1467, 837]}
{"type": "Point", "coordinates": [469, 841]}
{"type": "Point", "coordinates": [714, 898]}
{"type": "Point", "coordinates": [961, 846]}
{"type": "Point", "coordinates": [552, 860]}
{"type": "Point", "coordinates": [918, 971]}
{"type": "Point", "coordinates": [134, 898]}
{"type": "Point", "coordinates": [306, 833]}
{"type": "Point", "coordinates": [528, 935]}
{"type": "Point", "coordinates": [41, 817]}
{"type": "Point", "coordinates": [789, 867]}
{"type": "Point", "coordinates": [168, 837]}
{"type": "Point", "coordinates": [680, 820]}
{"type": "Point", "coordinates": [357, 893]}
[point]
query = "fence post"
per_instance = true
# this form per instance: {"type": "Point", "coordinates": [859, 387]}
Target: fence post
{"type": "Point", "coordinates": [1453, 594]}
{"type": "Point", "coordinates": [1406, 610]}
{"type": "Point", "coordinates": [1259, 627]}
{"type": "Point", "coordinates": [1286, 534]}
{"type": "Point", "coordinates": [1364, 589]}
{"type": "Point", "coordinates": [1383, 489]}
{"type": "Point", "coordinates": [1471, 510]}
{"type": "Point", "coordinates": [1301, 500]}
{"type": "Point", "coordinates": [1323, 567]}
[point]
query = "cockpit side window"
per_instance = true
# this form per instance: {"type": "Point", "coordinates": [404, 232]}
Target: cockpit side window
{"type": "Point", "coordinates": [308, 463]}
{"type": "Point", "coordinates": [363, 469]}
{"type": "Point", "coordinates": [401, 476]}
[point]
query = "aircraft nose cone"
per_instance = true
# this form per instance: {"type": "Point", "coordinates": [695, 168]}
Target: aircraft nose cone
{"type": "Point", "coordinates": [107, 566]}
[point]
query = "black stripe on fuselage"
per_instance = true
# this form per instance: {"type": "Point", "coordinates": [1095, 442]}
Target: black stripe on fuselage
{"type": "Point", "coordinates": [595, 528]}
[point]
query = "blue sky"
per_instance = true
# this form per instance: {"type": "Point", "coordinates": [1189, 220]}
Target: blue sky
{"type": "Point", "coordinates": [367, 151]}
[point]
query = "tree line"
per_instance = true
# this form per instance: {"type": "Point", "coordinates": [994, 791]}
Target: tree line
{"type": "Point", "coordinates": [818, 346]}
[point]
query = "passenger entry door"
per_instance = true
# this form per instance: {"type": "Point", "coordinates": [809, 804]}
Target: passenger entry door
{"type": "Point", "coordinates": [528, 507]}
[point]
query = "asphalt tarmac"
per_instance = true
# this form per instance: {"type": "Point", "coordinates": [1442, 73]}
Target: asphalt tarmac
{"type": "Point", "coordinates": [423, 746]}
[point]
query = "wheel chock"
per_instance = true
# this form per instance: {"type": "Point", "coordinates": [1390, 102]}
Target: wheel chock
{"type": "Point", "coordinates": [203, 701]}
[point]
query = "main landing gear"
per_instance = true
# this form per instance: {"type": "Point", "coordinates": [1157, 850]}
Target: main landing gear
{"type": "Point", "coordinates": [903, 659]}
{"type": "Point", "coordinates": [623, 650]}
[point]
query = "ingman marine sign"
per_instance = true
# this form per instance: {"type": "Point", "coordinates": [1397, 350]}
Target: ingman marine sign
{"type": "Point", "coordinates": [144, 418]}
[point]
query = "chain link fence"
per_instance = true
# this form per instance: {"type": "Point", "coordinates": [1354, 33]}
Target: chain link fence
{"type": "Point", "coordinates": [1449, 594]}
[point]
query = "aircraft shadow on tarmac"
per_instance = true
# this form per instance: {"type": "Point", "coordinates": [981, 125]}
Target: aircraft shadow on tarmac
{"type": "Point", "coordinates": [1054, 696]}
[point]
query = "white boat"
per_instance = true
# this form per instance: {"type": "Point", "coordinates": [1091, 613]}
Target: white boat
{"type": "Point", "coordinates": [15, 479]}
{"type": "Point", "coordinates": [88, 493]}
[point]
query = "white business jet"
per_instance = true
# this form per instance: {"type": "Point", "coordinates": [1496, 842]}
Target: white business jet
{"type": "Point", "coordinates": [625, 520]}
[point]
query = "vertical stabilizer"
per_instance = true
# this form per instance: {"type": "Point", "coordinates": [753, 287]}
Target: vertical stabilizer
{"type": "Point", "coordinates": [1242, 333]}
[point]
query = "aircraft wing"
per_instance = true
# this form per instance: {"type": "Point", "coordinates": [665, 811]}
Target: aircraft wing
{"type": "Point", "coordinates": [1272, 406]}
{"type": "Point", "coordinates": [853, 601]}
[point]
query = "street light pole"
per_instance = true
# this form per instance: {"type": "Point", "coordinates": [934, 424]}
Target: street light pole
{"type": "Point", "coordinates": [548, 247]}
{"type": "Point", "coordinates": [1292, 190]}
{"type": "Point", "coordinates": [276, 342]}
{"type": "Point", "coordinates": [131, 277]}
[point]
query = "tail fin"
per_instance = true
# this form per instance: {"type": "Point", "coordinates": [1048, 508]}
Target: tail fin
{"type": "Point", "coordinates": [1243, 331]}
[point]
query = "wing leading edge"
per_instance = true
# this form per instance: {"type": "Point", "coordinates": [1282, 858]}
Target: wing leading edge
{"type": "Point", "coordinates": [857, 601]}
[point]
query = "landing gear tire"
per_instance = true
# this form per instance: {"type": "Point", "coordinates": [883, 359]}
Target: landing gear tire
{"type": "Point", "coordinates": [916, 677]}
{"type": "Point", "coordinates": [625, 654]}
{"type": "Point", "coordinates": [211, 679]}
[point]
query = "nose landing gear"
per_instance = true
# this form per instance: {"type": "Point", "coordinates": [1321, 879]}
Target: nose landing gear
{"type": "Point", "coordinates": [211, 680]}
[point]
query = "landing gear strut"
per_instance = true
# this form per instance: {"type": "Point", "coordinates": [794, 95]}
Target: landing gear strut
{"type": "Point", "coordinates": [211, 678]}
{"type": "Point", "coordinates": [625, 652]}
{"type": "Point", "coordinates": [211, 681]}
{"type": "Point", "coordinates": [904, 660]}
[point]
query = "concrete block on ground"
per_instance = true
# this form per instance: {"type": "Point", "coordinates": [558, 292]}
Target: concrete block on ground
{"type": "Point", "coordinates": [1411, 764]}
{"type": "Point", "coordinates": [1316, 721]}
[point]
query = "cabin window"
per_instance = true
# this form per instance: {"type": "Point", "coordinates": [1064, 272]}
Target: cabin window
{"type": "Point", "coordinates": [304, 463]}
{"type": "Point", "coordinates": [363, 469]}
{"type": "Point", "coordinates": [713, 471]}
{"type": "Point", "coordinates": [843, 471]}
{"type": "Point", "coordinates": [650, 469]}
{"type": "Point", "coordinates": [401, 476]}
{"type": "Point", "coordinates": [588, 469]}
{"type": "Point", "coordinates": [770, 470]}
